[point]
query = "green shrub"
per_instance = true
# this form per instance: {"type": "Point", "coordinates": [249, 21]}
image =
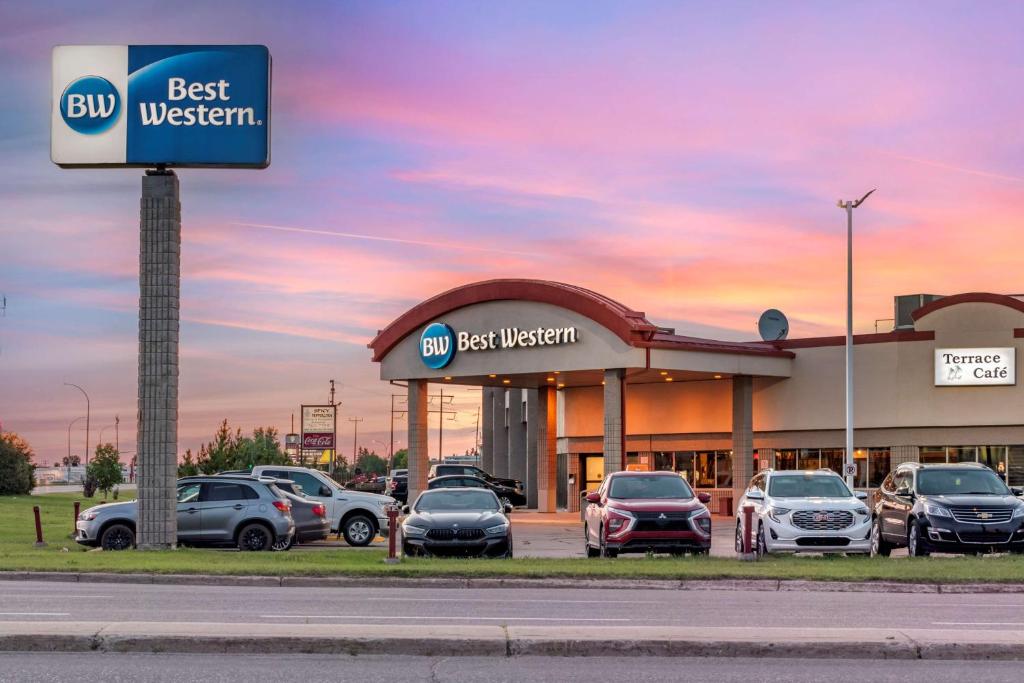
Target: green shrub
{"type": "Point", "coordinates": [16, 470]}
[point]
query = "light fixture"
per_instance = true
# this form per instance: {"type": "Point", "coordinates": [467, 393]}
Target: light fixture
{"type": "Point", "coordinates": [551, 379]}
{"type": "Point", "coordinates": [664, 372]}
{"type": "Point", "coordinates": [561, 386]}
{"type": "Point", "coordinates": [447, 379]}
{"type": "Point", "coordinates": [668, 379]}
{"type": "Point", "coordinates": [718, 377]}
{"type": "Point", "coordinates": [506, 381]}
{"type": "Point", "coordinates": [492, 376]}
{"type": "Point", "coordinates": [602, 383]}
{"type": "Point", "coordinates": [558, 372]}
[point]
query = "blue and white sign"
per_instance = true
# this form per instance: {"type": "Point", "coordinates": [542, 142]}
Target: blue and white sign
{"type": "Point", "coordinates": [149, 105]}
{"type": "Point", "coordinates": [437, 345]}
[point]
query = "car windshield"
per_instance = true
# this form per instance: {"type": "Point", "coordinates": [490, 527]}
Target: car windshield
{"type": "Point", "coordinates": [653, 486]}
{"type": "Point", "coordinates": [808, 486]}
{"type": "Point", "coordinates": [455, 500]}
{"type": "Point", "coordinates": [960, 482]}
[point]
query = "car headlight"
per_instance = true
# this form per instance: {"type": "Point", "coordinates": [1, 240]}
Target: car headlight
{"type": "Point", "coordinates": [87, 516]}
{"type": "Point", "coordinates": [862, 511]}
{"type": "Point", "coordinates": [1018, 512]}
{"type": "Point", "coordinates": [936, 510]}
{"type": "Point", "coordinates": [410, 530]}
{"type": "Point", "coordinates": [776, 512]}
{"type": "Point", "coordinates": [498, 529]}
{"type": "Point", "coordinates": [703, 521]}
{"type": "Point", "coordinates": [618, 519]}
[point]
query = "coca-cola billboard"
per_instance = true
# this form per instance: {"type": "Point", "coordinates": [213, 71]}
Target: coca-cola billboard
{"type": "Point", "coordinates": [318, 440]}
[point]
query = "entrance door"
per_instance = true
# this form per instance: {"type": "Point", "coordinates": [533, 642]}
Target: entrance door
{"type": "Point", "coordinates": [593, 472]}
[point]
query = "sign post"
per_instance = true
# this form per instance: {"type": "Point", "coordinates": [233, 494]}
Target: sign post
{"type": "Point", "coordinates": [157, 107]}
{"type": "Point", "coordinates": [319, 431]}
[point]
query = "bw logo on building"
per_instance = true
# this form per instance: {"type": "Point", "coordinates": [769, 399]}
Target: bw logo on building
{"type": "Point", "coordinates": [437, 345]}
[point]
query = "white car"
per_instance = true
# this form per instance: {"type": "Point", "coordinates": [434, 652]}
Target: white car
{"type": "Point", "coordinates": [804, 511]}
{"type": "Point", "coordinates": [358, 514]}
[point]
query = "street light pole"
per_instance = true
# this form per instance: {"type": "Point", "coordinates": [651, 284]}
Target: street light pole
{"type": "Point", "coordinates": [87, 411]}
{"type": "Point", "coordinates": [70, 424]}
{"type": "Point", "coordinates": [849, 206]}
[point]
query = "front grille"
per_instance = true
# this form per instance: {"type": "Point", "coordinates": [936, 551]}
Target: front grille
{"type": "Point", "coordinates": [822, 520]}
{"type": "Point", "coordinates": [984, 537]}
{"type": "Point", "coordinates": [455, 534]}
{"type": "Point", "coordinates": [662, 521]}
{"type": "Point", "coordinates": [822, 541]}
{"type": "Point", "coordinates": [982, 515]}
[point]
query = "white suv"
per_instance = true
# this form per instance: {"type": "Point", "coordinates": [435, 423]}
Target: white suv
{"type": "Point", "coordinates": [804, 511]}
{"type": "Point", "coordinates": [358, 514]}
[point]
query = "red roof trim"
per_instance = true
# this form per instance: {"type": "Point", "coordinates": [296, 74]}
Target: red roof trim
{"type": "Point", "coordinates": [840, 340]}
{"type": "Point", "coordinates": [629, 325]}
{"type": "Point", "coordinates": [970, 297]}
{"type": "Point", "coordinates": [1018, 332]}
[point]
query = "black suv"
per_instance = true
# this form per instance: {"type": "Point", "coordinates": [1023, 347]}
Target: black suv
{"type": "Point", "coordinates": [447, 470]}
{"type": "Point", "coordinates": [955, 508]}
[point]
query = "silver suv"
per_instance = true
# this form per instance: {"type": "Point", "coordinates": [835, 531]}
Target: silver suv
{"type": "Point", "coordinates": [215, 510]}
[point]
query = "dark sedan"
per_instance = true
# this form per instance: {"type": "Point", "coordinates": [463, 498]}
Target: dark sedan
{"type": "Point", "coordinates": [506, 494]}
{"type": "Point", "coordinates": [311, 523]}
{"type": "Point", "coordinates": [457, 522]}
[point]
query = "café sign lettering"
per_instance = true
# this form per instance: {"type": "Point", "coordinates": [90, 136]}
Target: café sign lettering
{"type": "Point", "coordinates": [975, 367]}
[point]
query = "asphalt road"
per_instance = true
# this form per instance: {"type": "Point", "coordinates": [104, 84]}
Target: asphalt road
{"type": "Point", "coordinates": [113, 668]}
{"type": "Point", "coordinates": [32, 601]}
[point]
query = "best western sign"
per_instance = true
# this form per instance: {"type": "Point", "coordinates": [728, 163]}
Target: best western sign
{"type": "Point", "coordinates": [975, 367]}
{"type": "Point", "coordinates": [148, 105]}
{"type": "Point", "coordinates": [439, 342]}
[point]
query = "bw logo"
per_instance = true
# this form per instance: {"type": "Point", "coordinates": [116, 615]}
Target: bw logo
{"type": "Point", "coordinates": [90, 105]}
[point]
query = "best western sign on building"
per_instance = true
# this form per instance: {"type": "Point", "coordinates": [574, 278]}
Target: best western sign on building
{"type": "Point", "coordinates": [975, 367]}
{"type": "Point", "coordinates": [439, 342]}
{"type": "Point", "coordinates": [173, 105]}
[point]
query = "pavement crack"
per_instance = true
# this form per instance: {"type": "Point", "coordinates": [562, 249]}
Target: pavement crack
{"type": "Point", "coordinates": [434, 675]}
{"type": "Point", "coordinates": [97, 643]}
{"type": "Point", "coordinates": [918, 653]}
{"type": "Point", "coordinates": [508, 640]}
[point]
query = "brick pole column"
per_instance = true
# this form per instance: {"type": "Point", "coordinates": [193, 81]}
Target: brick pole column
{"type": "Point", "coordinates": [419, 461]}
{"type": "Point", "coordinates": [532, 418]}
{"type": "Point", "coordinates": [742, 434]}
{"type": "Point", "coordinates": [547, 456]}
{"type": "Point", "coordinates": [500, 431]}
{"type": "Point", "coordinates": [487, 430]}
{"type": "Point", "coordinates": [614, 421]}
{"type": "Point", "coordinates": [159, 293]}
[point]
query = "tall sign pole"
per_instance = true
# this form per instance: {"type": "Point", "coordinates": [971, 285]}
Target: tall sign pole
{"type": "Point", "coordinates": [159, 297]}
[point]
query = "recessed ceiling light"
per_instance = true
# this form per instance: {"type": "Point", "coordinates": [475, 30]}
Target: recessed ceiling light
{"type": "Point", "coordinates": [718, 377]}
{"type": "Point", "coordinates": [561, 386]}
{"type": "Point", "coordinates": [447, 379]}
{"type": "Point", "coordinates": [551, 379]}
{"type": "Point", "coordinates": [668, 379]}
{"type": "Point", "coordinates": [558, 372]}
{"type": "Point", "coordinates": [492, 376]}
{"type": "Point", "coordinates": [506, 381]}
{"type": "Point", "coordinates": [664, 372]}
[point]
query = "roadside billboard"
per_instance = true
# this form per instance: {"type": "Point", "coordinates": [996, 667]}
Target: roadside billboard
{"type": "Point", "coordinates": [160, 105]}
{"type": "Point", "coordinates": [318, 425]}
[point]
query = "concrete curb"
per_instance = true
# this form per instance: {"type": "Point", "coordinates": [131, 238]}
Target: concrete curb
{"type": "Point", "coordinates": [771, 585]}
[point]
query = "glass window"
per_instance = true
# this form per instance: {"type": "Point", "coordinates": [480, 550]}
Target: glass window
{"type": "Point", "coordinates": [684, 465]}
{"type": "Point", "coordinates": [456, 499]}
{"type": "Point", "coordinates": [833, 458]}
{"type": "Point", "coordinates": [723, 465]}
{"type": "Point", "coordinates": [901, 480]}
{"type": "Point", "coordinates": [808, 459]}
{"type": "Point", "coordinates": [306, 482]}
{"type": "Point", "coordinates": [222, 492]}
{"type": "Point", "coordinates": [649, 487]}
{"type": "Point", "coordinates": [807, 486]}
{"type": "Point", "coordinates": [704, 470]}
{"type": "Point", "coordinates": [879, 464]}
{"type": "Point", "coordinates": [664, 462]}
{"type": "Point", "coordinates": [959, 481]}
{"type": "Point", "coordinates": [1015, 466]}
{"type": "Point", "coordinates": [189, 493]}
{"type": "Point", "coordinates": [932, 454]}
{"type": "Point", "coordinates": [785, 460]}
{"type": "Point", "coordinates": [994, 457]}
{"type": "Point", "coordinates": [860, 459]}
{"type": "Point", "coordinates": [962, 454]}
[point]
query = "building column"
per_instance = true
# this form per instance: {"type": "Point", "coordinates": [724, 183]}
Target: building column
{"type": "Point", "coordinates": [487, 430]}
{"type": "Point", "coordinates": [532, 417]}
{"type": "Point", "coordinates": [546, 444]}
{"type": "Point", "coordinates": [742, 434]}
{"type": "Point", "coordinates": [901, 454]}
{"type": "Point", "coordinates": [614, 421]}
{"type": "Point", "coordinates": [516, 436]}
{"type": "Point", "coordinates": [500, 434]}
{"type": "Point", "coordinates": [419, 460]}
{"type": "Point", "coordinates": [159, 294]}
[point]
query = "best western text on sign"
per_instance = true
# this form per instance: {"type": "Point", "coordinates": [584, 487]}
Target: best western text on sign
{"type": "Point", "coordinates": [513, 337]}
{"type": "Point", "coordinates": [975, 367]}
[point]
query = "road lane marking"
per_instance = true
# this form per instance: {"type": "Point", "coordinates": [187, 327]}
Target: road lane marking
{"type": "Point", "coordinates": [547, 602]}
{"type": "Point", "coordinates": [35, 614]}
{"type": "Point", "coordinates": [463, 619]}
{"type": "Point", "coordinates": [14, 596]}
{"type": "Point", "coordinates": [978, 623]}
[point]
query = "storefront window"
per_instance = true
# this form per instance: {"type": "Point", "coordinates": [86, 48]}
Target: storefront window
{"type": "Point", "coordinates": [932, 454]}
{"type": "Point", "coordinates": [833, 459]}
{"type": "Point", "coordinates": [808, 459]}
{"type": "Point", "coordinates": [704, 470]}
{"type": "Point", "coordinates": [994, 457]}
{"type": "Point", "coordinates": [723, 463]}
{"type": "Point", "coordinates": [961, 454]}
{"type": "Point", "coordinates": [684, 464]}
{"type": "Point", "coordinates": [860, 459]}
{"type": "Point", "coordinates": [785, 460]}
{"type": "Point", "coordinates": [664, 461]}
{"type": "Point", "coordinates": [1015, 466]}
{"type": "Point", "coordinates": [879, 466]}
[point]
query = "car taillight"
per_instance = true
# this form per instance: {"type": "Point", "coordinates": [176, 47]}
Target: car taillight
{"type": "Point", "coordinates": [319, 510]}
{"type": "Point", "coordinates": [283, 505]}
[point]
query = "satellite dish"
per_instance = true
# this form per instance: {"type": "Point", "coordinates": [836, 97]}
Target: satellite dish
{"type": "Point", "coordinates": [773, 325]}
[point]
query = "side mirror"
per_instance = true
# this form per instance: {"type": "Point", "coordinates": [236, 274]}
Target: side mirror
{"type": "Point", "coordinates": [1017, 490]}
{"type": "Point", "coordinates": [860, 495]}
{"type": "Point", "coordinates": [405, 509]}
{"type": "Point", "coordinates": [594, 497]}
{"type": "Point", "coordinates": [755, 494]}
{"type": "Point", "coordinates": [325, 490]}
{"type": "Point", "coordinates": [904, 492]}
{"type": "Point", "coordinates": [508, 508]}
{"type": "Point", "coordinates": [704, 498]}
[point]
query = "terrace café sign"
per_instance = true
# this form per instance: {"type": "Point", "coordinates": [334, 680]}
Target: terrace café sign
{"type": "Point", "coordinates": [975, 367]}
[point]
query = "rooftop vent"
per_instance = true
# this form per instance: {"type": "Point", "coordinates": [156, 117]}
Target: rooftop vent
{"type": "Point", "coordinates": [906, 304]}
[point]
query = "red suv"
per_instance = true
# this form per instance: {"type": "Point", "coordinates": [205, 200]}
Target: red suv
{"type": "Point", "coordinates": [639, 512]}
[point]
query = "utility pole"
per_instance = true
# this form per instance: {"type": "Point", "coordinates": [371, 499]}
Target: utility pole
{"type": "Point", "coordinates": [849, 206]}
{"type": "Point", "coordinates": [391, 448]}
{"type": "Point", "coordinates": [87, 411]}
{"type": "Point", "coordinates": [476, 433]}
{"type": "Point", "coordinates": [443, 413]}
{"type": "Point", "coordinates": [355, 437]}
{"type": "Point", "coordinates": [117, 433]}
{"type": "Point", "coordinates": [69, 445]}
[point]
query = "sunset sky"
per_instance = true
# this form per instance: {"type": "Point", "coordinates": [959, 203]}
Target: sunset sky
{"type": "Point", "coordinates": [682, 158]}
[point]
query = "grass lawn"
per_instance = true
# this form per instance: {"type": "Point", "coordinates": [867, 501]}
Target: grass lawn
{"type": "Point", "coordinates": [17, 552]}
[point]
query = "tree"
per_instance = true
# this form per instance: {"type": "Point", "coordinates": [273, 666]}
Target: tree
{"type": "Point", "coordinates": [370, 463]}
{"type": "Point", "coordinates": [71, 461]}
{"type": "Point", "coordinates": [188, 467]}
{"type": "Point", "coordinates": [16, 477]}
{"type": "Point", "coordinates": [401, 460]}
{"type": "Point", "coordinates": [232, 451]}
{"type": "Point", "coordinates": [105, 467]}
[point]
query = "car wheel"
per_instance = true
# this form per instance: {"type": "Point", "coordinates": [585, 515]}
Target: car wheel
{"type": "Point", "coordinates": [359, 531]}
{"type": "Point", "coordinates": [255, 537]}
{"type": "Point", "coordinates": [284, 543]}
{"type": "Point", "coordinates": [605, 550]}
{"type": "Point", "coordinates": [915, 544]}
{"type": "Point", "coordinates": [591, 550]}
{"type": "Point", "coordinates": [508, 555]}
{"type": "Point", "coordinates": [762, 545]}
{"type": "Point", "coordinates": [117, 537]}
{"type": "Point", "coordinates": [879, 546]}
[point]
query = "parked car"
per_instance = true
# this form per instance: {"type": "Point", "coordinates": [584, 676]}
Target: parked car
{"type": "Point", "coordinates": [506, 494]}
{"type": "Point", "coordinates": [360, 516]}
{"type": "Point", "coordinates": [447, 470]}
{"type": "Point", "coordinates": [457, 522]}
{"type": "Point", "coordinates": [949, 508]}
{"type": "Point", "coordinates": [311, 523]}
{"type": "Point", "coordinates": [397, 485]}
{"type": "Point", "coordinates": [804, 511]}
{"type": "Point", "coordinates": [235, 510]}
{"type": "Point", "coordinates": [639, 512]}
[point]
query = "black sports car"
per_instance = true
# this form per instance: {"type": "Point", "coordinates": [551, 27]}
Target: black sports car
{"type": "Point", "coordinates": [458, 522]}
{"type": "Point", "coordinates": [506, 494]}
